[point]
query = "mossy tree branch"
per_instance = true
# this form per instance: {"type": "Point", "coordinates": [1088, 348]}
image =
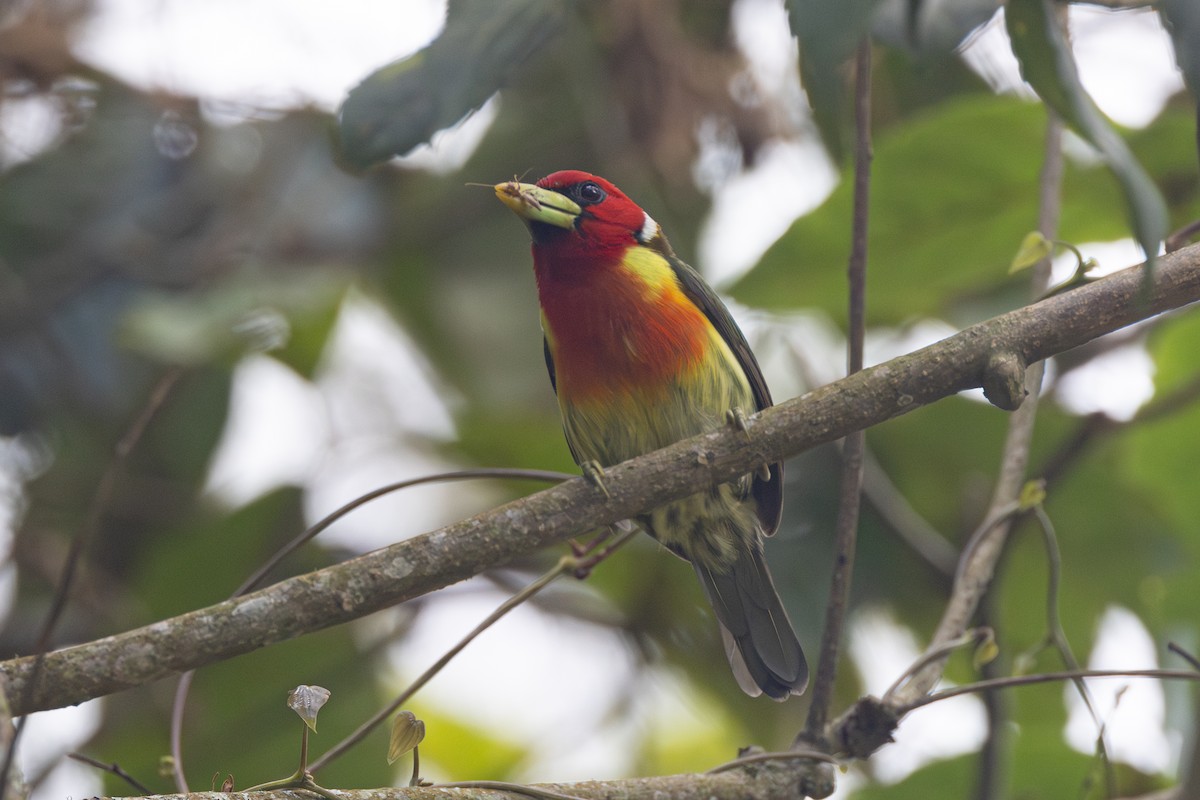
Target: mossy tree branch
{"type": "Point", "coordinates": [775, 781]}
{"type": "Point", "coordinates": [433, 560]}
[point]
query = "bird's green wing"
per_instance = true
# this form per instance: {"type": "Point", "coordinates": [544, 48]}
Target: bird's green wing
{"type": "Point", "coordinates": [768, 494]}
{"type": "Point", "coordinates": [554, 385]}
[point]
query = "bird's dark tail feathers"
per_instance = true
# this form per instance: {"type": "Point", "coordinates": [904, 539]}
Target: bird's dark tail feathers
{"type": "Point", "coordinates": [762, 647]}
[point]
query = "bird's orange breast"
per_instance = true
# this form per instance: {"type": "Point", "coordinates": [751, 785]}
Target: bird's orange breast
{"type": "Point", "coordinates": [619, 330]}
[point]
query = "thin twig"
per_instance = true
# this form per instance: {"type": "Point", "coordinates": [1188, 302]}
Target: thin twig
{"type": "Point", "coordinates": [179, 704]}
{"type": "Point", "coordinates": [973, 636]}
{"type": "Point", "coordinates": [850, 498]}
{"type": "Point", "coordinates": [1185, 655]}
{"type": "Point", "coordinates": [442, 477]}
{"type": "Point", "coordinates": [1048, 677]}
{"type": "Point", "coordinates": [783, 755]}
{"type": "Point", "coordinates": [992, 773]}
{"type": "Point", "coordinates": [1182, 236]}
{"type": "Point", "coordinates": [565, 565]}
{"type": "Point", "coordinates": [1058, 637]}
{"type": "Point", "coordinates": [15, 786]}
{"type": "Point", "coordinates": [113, 768]}
{"type": "Point", "coordinates": [902, 519]}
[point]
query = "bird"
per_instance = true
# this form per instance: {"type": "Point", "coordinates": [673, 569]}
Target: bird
{"type": "Point", "coordinates": [641, 354]}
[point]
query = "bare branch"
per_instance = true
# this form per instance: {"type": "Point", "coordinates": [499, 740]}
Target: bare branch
{"type": "Point", "coordinates": [850, 497]}
{"type": "Point", "coordinates": [1052, 677]}
{"type": "Point", "coordinates": [767, 781]}
{"type": "Point", "coordinates": [425, 563]}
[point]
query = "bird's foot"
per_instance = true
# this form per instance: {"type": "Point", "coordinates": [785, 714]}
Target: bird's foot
{"type": "Point", "coordinates": [587, 556]}
{"type": "Point", "coordinates": [581, 550]}
{"type": "Point", "coordinates": [737, 418]}
{"type": "Point", "coordinates": [594, 474]}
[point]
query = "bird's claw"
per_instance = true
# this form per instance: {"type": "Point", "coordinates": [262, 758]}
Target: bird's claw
{"type": "Point", "coordinates": [594, 474]}
{"type": "Point", "coordinates": [738, 419]}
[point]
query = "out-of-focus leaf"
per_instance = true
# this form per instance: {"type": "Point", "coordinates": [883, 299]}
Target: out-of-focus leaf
{"type": "Point", "coordinates": [1159, 459]}
{"type": "Point", "coordinates": [113, 212]}
{"type": "Point", "coordinates": [1047, 64]}
{"type": "Point", "coordinates": [986, 651]}
{"type": "Point", "coordinates": [1034, 247]}
{"type": "Point", "coordinates": [1182, 20]}
{"type": "Point", "coordinates": [936, 779]}
{"type": "Point", "coordinates": [929, 26]}
{"type": "Point", "coordinates": [221, 549]}
{"type": "Point", "coordinates": [529, 438]}
{"type": "Point", "coordinates": [404, 103]}
{"type": "Point", "coordinates": [1042, 765]}
{"type": "Point", "coordinates": [670, 749]}
{"type": "Point", "coordinates": [828, 31]}
{"type": "Point", "coordinates": [240, 315]}
{"type": "Point", "coordinates": [1033, 494]}
{"type": "Point", "coordinates": [952, 190]}
{"type": "Point", "coordinates": [914, 83]}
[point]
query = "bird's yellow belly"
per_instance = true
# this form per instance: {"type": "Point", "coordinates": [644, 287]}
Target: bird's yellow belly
{"type": "Point", "coordinates": [630, 421]}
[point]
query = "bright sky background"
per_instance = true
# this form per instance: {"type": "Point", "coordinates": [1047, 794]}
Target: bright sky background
{"type": "Point", "coordinates": [283, 52]}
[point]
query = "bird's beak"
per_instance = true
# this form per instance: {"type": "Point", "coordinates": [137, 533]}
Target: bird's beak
{"type": "Point", "coordinates": [535, 204]}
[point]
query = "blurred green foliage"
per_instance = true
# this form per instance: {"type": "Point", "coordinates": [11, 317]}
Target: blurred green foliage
{"type": "Point", "coordinates": [148, 237]}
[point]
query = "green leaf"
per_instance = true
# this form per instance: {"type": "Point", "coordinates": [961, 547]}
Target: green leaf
{"type": "Point", "coordinates": [1033, 494]}
{"type": "Point", "coordinates": [939, 468]}
{"type": "Point", "coordinates": [1047, 65]}
{"type": "Point", "coordinates": [828, 32]}
{"type": "Point", "coordinates": [1181, 18]}
{"type": "Point", "coordinates": [244, 313]}
{"type": "Point", "coordinates": [985, 652]}
{"type": "Point", "coordinates": [952, 189]}
{"type": "Point", "coordinates": [1158, 459]}
{"type": "Point", "coordinates": [941, 778]}
{"type": "Point", "coordinates": [1034, 247]}
{"type": "Point", "coordinates": [407, 733]}
{"type": "Point", "coordinates": [403, 104]}
{"type": "Point", "coordinates": [929, 26]}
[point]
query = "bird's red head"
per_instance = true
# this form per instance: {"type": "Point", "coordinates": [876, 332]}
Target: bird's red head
{"type": "Point", "coordinates": [607, 218]}
{"type": "Point", "coordinates": [574, 216]}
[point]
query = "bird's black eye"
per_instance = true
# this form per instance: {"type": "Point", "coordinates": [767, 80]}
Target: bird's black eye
{"type": "Point", "coordinates": [589, 193]}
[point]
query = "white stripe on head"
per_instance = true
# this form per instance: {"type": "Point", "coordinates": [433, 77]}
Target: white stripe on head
{"type": "Point", "coordinates": [649, 229]}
